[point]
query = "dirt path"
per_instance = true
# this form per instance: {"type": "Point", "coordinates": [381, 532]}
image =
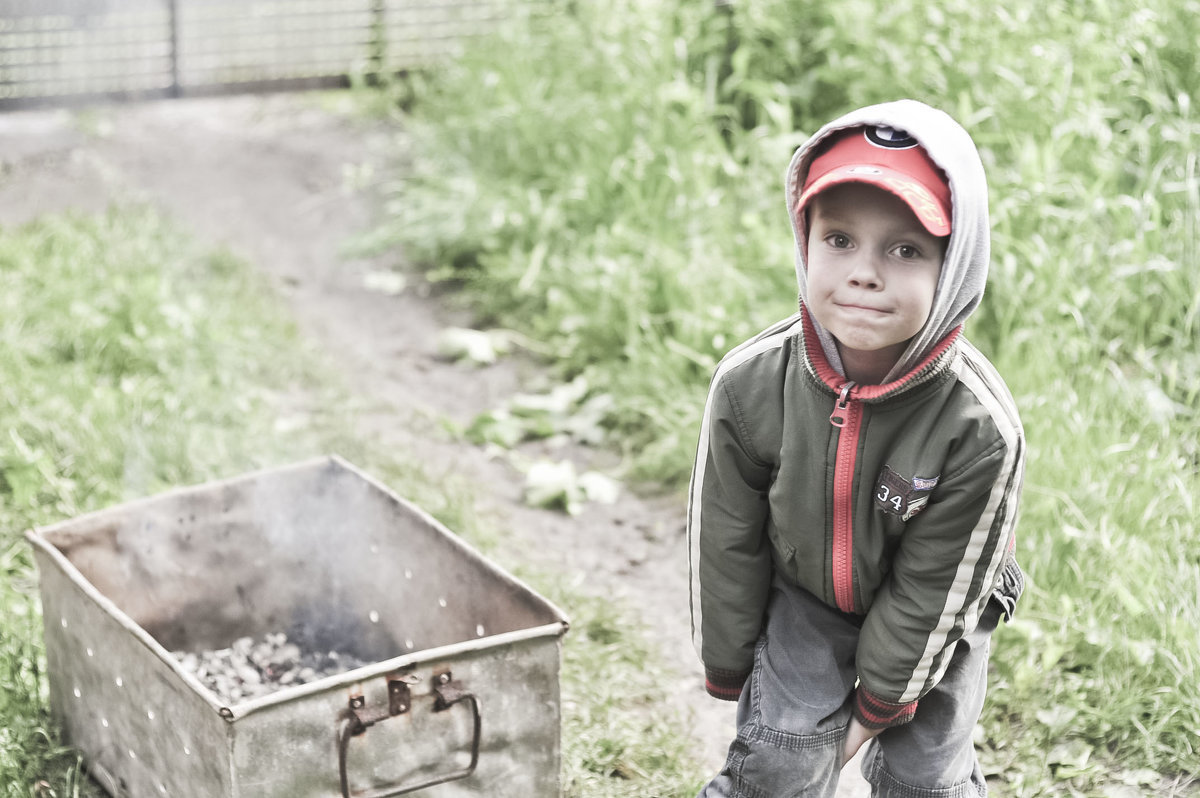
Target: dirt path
{"type": "Point", "coordinates": [274, 179]}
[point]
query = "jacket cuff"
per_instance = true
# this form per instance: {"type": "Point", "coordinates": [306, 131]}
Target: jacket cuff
{"type": "Point", "coordinates": [725, 685]}
{"type": "Point", "coordinates": [874, 712]}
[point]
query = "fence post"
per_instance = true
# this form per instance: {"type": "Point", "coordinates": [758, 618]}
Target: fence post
{"type": "Point", "coordinates": [173, 12]}
{"type": "Point", "coordinates": [377, 57]}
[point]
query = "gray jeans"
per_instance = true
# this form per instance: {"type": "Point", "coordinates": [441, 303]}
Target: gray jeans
{"type": "Point", "coordinates": [794, 710]}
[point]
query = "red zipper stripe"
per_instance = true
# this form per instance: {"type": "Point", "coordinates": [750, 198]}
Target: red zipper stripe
{"type": "Point", "coordinates": [849, 412]}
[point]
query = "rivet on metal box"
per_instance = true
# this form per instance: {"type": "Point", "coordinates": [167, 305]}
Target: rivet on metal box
{"type": "Point", "coordinates": [459, 694]}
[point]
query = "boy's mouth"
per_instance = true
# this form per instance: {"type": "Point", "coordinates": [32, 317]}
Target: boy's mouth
{"type": "Point", "coordinates": [854, 306]}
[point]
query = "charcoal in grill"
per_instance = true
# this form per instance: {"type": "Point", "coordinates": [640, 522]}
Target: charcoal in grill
{"type": "Point", "coordinates": [252, 668]}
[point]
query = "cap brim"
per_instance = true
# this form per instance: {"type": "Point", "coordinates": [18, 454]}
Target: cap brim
{"type": "Point", "coordinates": [932, 215]}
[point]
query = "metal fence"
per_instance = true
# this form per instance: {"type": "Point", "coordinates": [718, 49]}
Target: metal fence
{"type": "Point", "coordinates": [69, 51]}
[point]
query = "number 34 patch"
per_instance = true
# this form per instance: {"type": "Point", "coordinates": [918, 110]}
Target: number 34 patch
{"type": "Point", "coordinates": [896, 495]}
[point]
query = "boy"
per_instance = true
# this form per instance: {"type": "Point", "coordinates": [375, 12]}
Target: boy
{"type": "Point", "coordinates": [852, 509]}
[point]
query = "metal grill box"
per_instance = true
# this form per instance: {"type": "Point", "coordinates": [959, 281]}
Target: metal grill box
{"type": "Point", "coordinates": [461, 696]}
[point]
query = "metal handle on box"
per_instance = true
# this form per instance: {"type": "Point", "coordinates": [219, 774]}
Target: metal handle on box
{"type": "Point", "coordinates": [448, 693]}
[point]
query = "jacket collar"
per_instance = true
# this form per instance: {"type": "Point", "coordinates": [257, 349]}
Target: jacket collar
{"type": "Point", "coordinates": [933, 364]}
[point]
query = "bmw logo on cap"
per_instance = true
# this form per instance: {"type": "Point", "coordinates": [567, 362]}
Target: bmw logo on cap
{"type": "Point", "coordinates": [890, 138]}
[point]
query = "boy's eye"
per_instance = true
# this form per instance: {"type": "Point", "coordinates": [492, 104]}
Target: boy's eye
{"type": "Point", "coordinates": [838, 240]}
{"type": "Point", "coordinates": [908, 251]}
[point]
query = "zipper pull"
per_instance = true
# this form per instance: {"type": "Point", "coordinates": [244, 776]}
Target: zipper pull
{"type": "Point", "coordinates": [838, 417]}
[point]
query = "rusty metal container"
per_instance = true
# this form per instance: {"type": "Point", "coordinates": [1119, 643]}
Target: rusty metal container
{"type": "Point", "coordinates": [461, 696]}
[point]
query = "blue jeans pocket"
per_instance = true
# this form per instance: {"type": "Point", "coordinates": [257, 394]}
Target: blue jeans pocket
{"type": "Point", "coordinates": [781, 765]}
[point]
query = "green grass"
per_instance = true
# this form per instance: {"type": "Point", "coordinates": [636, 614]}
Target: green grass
{"type": "Point", "coordinates": [133, 360]}
{"type": "Point", "coordinates": [620, 741]}
{"type": "Point", "coordinates": [609, 184]}
{"type": "Point", "coordinates": [130, 362]}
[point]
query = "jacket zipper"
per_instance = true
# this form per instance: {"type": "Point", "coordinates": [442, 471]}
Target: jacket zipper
{"type": "Point", "coordinates": [847, 417]}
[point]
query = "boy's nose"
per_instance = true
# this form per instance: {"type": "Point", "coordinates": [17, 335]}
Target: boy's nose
{"type": "Point", "coordinates": [865, 274]}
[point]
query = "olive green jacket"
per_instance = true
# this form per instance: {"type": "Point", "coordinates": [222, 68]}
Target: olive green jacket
{"type": "Point", "coordinates": [896, 503]}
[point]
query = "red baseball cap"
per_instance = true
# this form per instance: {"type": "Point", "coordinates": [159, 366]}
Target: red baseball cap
{"type": "Point", "coordinates": [890, 159]}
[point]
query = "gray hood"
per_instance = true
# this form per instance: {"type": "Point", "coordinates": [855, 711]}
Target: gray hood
{"type": "Point", "coordinates": [964, 271]}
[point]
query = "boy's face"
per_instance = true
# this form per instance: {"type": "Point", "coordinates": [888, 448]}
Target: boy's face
{"type": "Point", "coordinates": [872, 273]}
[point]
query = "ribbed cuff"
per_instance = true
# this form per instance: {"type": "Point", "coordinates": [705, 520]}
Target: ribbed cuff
{"type": "Point", "coordinates": [725, 685]}
{"type": "Point", "coordinates": [874, 712]}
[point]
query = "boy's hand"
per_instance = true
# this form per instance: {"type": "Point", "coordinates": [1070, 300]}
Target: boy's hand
{"type": "Point", "coordinates": [857, 736]}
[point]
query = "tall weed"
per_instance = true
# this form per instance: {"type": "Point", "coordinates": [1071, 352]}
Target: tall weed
{"type": "Point", "coordinates": [582, 192]}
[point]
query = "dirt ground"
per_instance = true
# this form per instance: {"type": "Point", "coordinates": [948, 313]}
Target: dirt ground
{"type": "Point", "coordinates": [285, 181]}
